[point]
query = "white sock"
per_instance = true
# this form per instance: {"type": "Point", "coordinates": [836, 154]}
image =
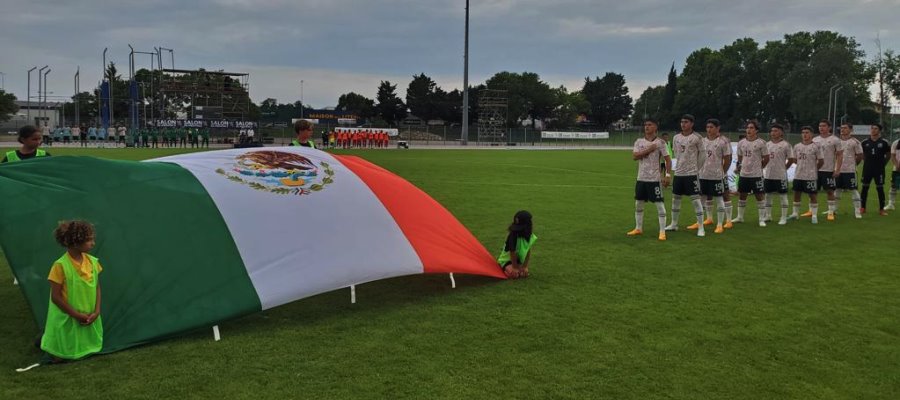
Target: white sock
{"type": "Point", "coordinates": [676, 209]}
{"type": "Point", "coordinates": [639, 214]}
{"type": "Point", "coordinates": [761, 209]}
{"type": "Point", "coordinates": [768, 207]}
{"type": "Point", "coordinates": [720, 203]}
{"type": "Point", "coordinates": [698, 209]}
{"type": "Point", "coordinates": [742, 205]}
{"type": "Point", "coordinates": [661, 210]}
{"type": "Point", "coordinates": [797, 205]}
{"type": "Point", "coordinates": [727, 210]}
{"type": "Point", "coordinates": [814, 207]}
{"type": "Point", "coordinates": [784, 206]}
{"type": "Point", "coordinates": [831, 206]}
{"type": "Point", "coordinates": [857, 202]}
{"type": "Point", "coordinates": [709, 208]}
{"type": "Point", "coordinates": [892, 196]}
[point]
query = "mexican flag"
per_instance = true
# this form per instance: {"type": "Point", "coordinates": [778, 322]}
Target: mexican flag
{"type": "Point", "coordinates": [191, 240]}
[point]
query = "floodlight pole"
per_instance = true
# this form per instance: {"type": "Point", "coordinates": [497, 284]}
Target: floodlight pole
{"type": "Point", "coordinates": [28, 112]}
{"type": "Point", "coordinates": [465, 116]}
{"type": "Point", "coordinates": [40, 86]}
{"type": "Point", "coordinates": [77, 76]}
{"type": "Point", "coordinates": [302, 105]}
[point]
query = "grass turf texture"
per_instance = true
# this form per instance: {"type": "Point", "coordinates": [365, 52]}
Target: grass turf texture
{"type": "Point", "coordinates": [796, 311]}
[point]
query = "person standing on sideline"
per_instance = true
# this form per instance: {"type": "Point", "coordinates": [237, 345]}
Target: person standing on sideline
{"type": "Point", "coordinates": [688, 146]}
{"type": "Point", "coordinates": [712, 173]}
{"type": "Point", "coordinates": [647, 151]}
{"type": "Point", "coordinates": [831, 169]}
{"type": "Point", "coordinates": [781, 157]}
{"type": "Point", "coordinates": [853, 155]}
{"type": "Point", "coordinates": [809, 161]}
{"type": "Point", "coordinates": [753, 156]}
{"type": "Point", "coordinates": [876, 153]}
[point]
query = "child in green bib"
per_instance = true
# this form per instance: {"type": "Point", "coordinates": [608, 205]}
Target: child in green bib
{"type": "Point", "coordinates": [514, 257]}
{"type": "Point", "coordinates": [74, 328]}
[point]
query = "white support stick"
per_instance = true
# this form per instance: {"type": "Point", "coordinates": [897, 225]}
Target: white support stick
{"type": "Point", "coordinates": [452, 281]}
{"type": "Point", "coordinates": [30, 367]}
{"type": "Point", "coordinates": [352, 294]}
{"type": "Point", "coordinates": [15, 281]}
{"type": "Point", "coordinates": [216, 333]}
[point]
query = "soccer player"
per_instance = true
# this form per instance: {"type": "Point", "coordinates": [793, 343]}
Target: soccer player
{"type": "Point", "coordinates": [781, 157]}
{"type": "Point", "coordinates": [688, 147]}
{"type": "Point", "coordinates": [648, 150]}
{"type": "Point", "coordinates": [877, 152]}
{"type": "Point", "coordinates": [809, 160]}
{"type": "Point", "coordinates": [753, 156]}
{"type": "Point", "coordinates": [853, 155]}
{"type": "Point", "coordinates": [712, 173]}
{"type": "Point", "coordinates": [831, 169]}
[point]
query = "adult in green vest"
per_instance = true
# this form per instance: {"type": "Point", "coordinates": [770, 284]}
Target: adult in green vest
{"type": "Point", "coordinates": [514, 257]}
{"type": "Point", "coordinates": [30, 138]}
{"type": "Point", "coordinates": [304, 130]}
{"type": "Point", "coordinates": [74, 328]}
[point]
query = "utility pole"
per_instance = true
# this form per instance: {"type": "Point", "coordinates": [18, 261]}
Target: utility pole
{"type": "Point", "coordinates": [28, 99]}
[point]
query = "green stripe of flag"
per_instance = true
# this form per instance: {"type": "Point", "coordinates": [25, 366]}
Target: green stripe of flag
{"type": "Point", "coordinates": [170, 263]}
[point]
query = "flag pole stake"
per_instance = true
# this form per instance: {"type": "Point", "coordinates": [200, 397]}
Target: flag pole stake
{"type": "Point", "coordinates": [452, 281]}
{"type": "Point", "coordinates": [352, 294]}
{"type": "Point", "coordinates": [216, 335]}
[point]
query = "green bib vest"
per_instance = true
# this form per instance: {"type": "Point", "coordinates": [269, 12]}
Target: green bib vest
{"type": "Point", "coordinates": [522, 247]}
{"type": "Point", "coordinates": [312, 144]}
{"type": "Point", "coordinates": [11, 156]}
{"type": "Point", "coordinates": [64, 337]}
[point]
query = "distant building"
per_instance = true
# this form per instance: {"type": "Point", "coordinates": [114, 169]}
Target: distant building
{"type": "Point", "coordinates": [50, 112]}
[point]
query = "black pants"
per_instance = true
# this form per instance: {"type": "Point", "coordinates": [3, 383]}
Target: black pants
{"type": "Point", "coordinates": [868, 177]}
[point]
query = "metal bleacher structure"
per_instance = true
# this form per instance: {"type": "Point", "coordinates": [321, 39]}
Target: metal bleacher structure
{"type": "Point", "coordinates": [213, 95]}
{"type": "Point", "coordinates": [493, 106]}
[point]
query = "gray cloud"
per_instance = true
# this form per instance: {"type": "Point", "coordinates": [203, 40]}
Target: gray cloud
{"type": "Point", "coordinates": [339, 45]}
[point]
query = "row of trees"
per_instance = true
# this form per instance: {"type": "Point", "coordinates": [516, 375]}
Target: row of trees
{"type": "Point", "coordinates": [785, 80]}
{"type": "Point", "coordinates": [603, 100]}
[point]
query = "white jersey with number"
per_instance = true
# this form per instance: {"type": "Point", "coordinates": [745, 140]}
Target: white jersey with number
{"type": "Point", "coordinates": [779, 153]}
{"type": "Point", "coordinates": [648, 167]}
{"type": "Point", "coordinates": [851, 148]}
{"type": "Point", "coordinates": [752, 152]}
{"type": "Point", "coordinates": [716, 150]}
{"type": "Point", "coordinates": [808, 156]}
{"type": "Point", "coordinates": [688, 151]}
{"type": "Point", "coordinates": [830, 146]}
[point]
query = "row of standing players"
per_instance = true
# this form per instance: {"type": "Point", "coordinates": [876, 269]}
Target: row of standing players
{"type": "Point", "coordinates": [824, 162]}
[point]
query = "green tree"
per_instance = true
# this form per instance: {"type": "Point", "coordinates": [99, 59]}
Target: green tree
{"type": "Point", "coordinates": [569, 107]}
{"type": "Point", "coordinates": [8, 105]}
{"type": "Point", "coordinates": [390, 108]}
{"type": "Point", "coordinates": [529, 97]}
{"type": "Point", "coordinates": [668, 100]}
{"type": "Point", "coordinates": [608, 97]}
{"type": "Point", "coordinates": [421, 97]}
{"type": "Point", "coordinates": [358, 104]}
{"type": "Point", "coordinates": [649, 104]}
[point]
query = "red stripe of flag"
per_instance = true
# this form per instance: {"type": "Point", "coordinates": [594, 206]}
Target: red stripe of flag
{"type": "Point", "coordinates": [442, 243]}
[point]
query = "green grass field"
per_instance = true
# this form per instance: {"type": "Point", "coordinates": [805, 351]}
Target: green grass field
{"type": "Point", "coordinates": [783, 312]}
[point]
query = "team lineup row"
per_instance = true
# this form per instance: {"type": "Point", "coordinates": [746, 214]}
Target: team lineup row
{"type": "Point", "coordinates": [824, 162]}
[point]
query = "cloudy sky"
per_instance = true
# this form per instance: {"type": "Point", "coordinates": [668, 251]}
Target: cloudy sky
{"type": "Point", "coordinates": [336, 46]}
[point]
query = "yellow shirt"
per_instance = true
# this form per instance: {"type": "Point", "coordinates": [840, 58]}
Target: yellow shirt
{"type": "Point", "coordinates": [84, 269]}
